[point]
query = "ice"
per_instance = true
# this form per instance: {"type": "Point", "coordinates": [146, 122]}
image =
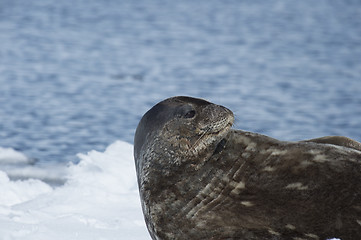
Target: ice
{"type": "Point", "coordinates": [18, 166]}
{"type": "Point", "coordinates": [14, 192]}
{"type": "Point", "coordinates": [10, 156]}
{"type": "Point", "coordinates": [99, 200]}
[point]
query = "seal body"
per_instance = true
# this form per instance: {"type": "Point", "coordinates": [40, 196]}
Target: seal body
{"type": "Point", "coordinates": [200, 179]}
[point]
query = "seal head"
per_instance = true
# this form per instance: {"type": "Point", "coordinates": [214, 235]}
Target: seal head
{"type": "Point", "coordinates": [180, 129]}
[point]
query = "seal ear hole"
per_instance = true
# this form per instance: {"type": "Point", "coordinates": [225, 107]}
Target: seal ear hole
{"type": "Point", "coordinates": [190, 114]}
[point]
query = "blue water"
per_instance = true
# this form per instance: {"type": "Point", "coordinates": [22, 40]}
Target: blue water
{"type": "Point", "coordinates": [78, 75]}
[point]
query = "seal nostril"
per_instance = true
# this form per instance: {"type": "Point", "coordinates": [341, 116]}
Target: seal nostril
{"type": "Point", "coordinates": [190, 114]}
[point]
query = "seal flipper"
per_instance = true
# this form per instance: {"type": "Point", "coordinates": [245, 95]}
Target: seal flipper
{"type": "Point", "coordinates": [337, 140]}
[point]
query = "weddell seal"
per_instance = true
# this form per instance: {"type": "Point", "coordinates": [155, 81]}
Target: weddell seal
{"type": "Point", "coordinates": [200, 179]}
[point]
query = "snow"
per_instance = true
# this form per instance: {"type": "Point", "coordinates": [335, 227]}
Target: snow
{"type": "Point", "coordinates": [99, 199]}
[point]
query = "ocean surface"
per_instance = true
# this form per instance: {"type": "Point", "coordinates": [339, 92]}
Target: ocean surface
{"type": "Point", "coordinates": [78, 75]}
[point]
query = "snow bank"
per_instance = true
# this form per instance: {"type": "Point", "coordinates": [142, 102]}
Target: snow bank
{"type": "Point", "coordinates": [98, 201]}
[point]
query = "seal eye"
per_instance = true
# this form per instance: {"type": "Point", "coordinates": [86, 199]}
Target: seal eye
{"type": "Point", "coordinates": [190, 114]}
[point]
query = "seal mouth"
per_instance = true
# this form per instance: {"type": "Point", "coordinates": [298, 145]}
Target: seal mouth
{"type": "Point", "coordinates": [215, 134]}
{"type": "Point", "coordinates": [222, 143]}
